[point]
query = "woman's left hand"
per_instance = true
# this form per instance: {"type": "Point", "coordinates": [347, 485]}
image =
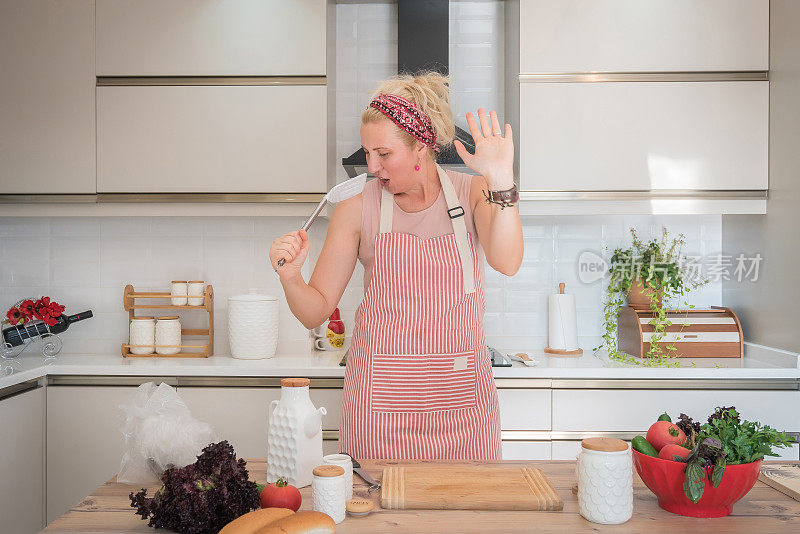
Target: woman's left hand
{"type": "Point", "coordinates": [494, 152]}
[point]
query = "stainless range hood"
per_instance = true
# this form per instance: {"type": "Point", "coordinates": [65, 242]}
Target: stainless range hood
{"type": "Point", "coordinates": [423, 30]}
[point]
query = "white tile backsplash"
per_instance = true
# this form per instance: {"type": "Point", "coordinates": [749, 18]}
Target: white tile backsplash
{"type": "Point", "coordinates": [89, 270]}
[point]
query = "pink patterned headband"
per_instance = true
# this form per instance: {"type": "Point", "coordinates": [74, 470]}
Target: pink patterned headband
{"type": "Point", "coordinates": [408, 117]}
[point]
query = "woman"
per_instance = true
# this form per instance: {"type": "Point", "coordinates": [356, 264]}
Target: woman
{"type": "Point", "coordinates": [418, 381]}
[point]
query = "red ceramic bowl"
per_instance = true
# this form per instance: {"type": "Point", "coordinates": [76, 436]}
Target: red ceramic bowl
{"type": "Point", "coordinates": [665, 478]}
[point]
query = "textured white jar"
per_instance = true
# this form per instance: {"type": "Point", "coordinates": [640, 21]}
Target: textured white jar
{"type": "Point", "coordinates": [253, 325]}
{"type": "Point", "coordinates": [328, 492]}
{"type": "Point", "coordinates": [168, 332]}
{"type": "Point", "coordinates": [294, 438]}
{"type": "Point", "coordinates": [194, 288]}
{"type": "Point", "coordinates": [605, 484]}
{"type": "Point", "coordinates": [346, 463]}
{"type": "Point", "coordinates": [142, 332]}
{"type": "Point", "coordinates": [178, 290]}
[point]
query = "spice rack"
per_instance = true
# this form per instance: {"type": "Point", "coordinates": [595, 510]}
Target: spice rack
{"type": "Point", "coordinates": [129, 298]}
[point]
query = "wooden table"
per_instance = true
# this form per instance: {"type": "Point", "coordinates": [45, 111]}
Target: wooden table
{"type": "Point", "coordinates": [762, 510]}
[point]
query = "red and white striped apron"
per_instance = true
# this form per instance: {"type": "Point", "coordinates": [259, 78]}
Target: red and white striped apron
{"type": "Point", "coordinates": [418, 381]}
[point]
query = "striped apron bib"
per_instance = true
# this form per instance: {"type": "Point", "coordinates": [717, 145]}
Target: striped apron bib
{"type": "Point", "coordinates": [418, 381]}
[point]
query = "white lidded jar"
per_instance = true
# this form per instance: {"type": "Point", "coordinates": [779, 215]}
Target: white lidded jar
{"type": "Point", "coordinates": [345, 462]}
{"type": "Point", "coordinates": [328, 492]}
{"type": "Point", "coordinates": [168, 332]}
{"type": "Point", "coordinates": [605, 481]}
{"type": "Point", "coordinates": [294, 438]}
{"type": "Point", "coordinates": [253, 325]}
{"type": "Point", "coordinates": [142, 332]}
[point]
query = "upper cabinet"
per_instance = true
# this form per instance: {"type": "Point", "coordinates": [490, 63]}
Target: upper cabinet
{"type": "Point", "coordinates": [643, 36]}
{"type": "Point", "coordinates": [211, 139]}
{"type": "Point", "coordinates": [47, 136]}
{"type": "Point", "coordinates": [211, 38]}
{"type": "Point", "coordinates": [644, 136]}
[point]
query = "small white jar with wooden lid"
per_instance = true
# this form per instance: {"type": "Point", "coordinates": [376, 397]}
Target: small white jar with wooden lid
{"type": "Point", "coordinates": [328, 491]}
{"type": "Point", "coordinates": [168, 332]}
{"type": "Point", "coordinates": [345, 462]}
{"type": "Point", "coordinates": [605, 481]}
{"type": "Point", "coordinates": [142, 332]}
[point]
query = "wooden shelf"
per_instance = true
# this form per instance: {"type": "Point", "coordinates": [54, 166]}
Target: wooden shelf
{"type": "Point", "coordinates": [206, 347]}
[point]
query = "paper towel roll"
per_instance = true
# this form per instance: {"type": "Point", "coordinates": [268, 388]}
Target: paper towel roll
{"type": "Point", "coordinates": [562, 322]}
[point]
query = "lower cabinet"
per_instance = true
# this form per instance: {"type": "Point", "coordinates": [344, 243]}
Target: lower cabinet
{"type": "Point", "coordinates": [22, 468]}
{"type": "Point", "coordinates": [526, 450]}
{"type": "Point", "coordinates": [84, 441]}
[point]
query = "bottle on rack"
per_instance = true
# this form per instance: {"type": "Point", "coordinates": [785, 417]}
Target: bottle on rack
{"type": "Point", "coordinates": [17, 335]}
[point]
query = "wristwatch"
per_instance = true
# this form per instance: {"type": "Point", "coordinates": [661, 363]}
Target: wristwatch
{"type": "Point", "coordinates": [506, 198]}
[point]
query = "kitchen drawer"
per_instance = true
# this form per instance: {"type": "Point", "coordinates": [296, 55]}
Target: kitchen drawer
{"type": "Point", "coordinates": [524, 409]}
{"type": "Point", "coordinates": [526, 450]}
{"type": "Point", "coordinates": [635, 410]}
{"type": "Point", "coordinates": [643, 136]}
{"type": "Point", "coordinates": [211, 139]}
{"type": "Point", "coordinates": [239, 415]}
{"type": "Point", "coordinates": [210, 38]}
{"type": "Point", "coordinates": [637, 36]}
{"type": "Point", "coordinates": [47, 122]}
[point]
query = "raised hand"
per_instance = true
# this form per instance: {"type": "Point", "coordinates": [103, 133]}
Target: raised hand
{"type": "Point", "coordinates": [494, 151]}
{"type": "Point", "coordinates": [292, 247]}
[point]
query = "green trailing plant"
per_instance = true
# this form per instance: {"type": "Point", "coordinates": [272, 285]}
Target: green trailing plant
{"type": "Point", "coordinates": [658, 266]}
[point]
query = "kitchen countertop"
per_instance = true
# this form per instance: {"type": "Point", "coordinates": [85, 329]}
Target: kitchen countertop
{"type": "Point", "coordinates": [758, 363]}
{"type": "Point", "coordinates": [763, 509]}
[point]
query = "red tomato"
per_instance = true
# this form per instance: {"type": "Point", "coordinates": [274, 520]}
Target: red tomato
{"type": "Point", "coordinates": [671, 450]}
{"type": "Point", "coordinates": [663, 433]}
{"type": "Point", "coordinates": [280, 494]}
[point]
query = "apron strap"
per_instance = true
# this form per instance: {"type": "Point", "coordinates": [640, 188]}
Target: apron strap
{"type": "Point", "coordinates": [456, 212]}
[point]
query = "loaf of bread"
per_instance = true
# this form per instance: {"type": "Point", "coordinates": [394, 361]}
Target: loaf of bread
{"type": "Point", "coordinates": [301, 523]}
{"type": "Point", "coordinates": [252, 521]}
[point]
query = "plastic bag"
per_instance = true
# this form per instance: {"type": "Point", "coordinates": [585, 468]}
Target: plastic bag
{"type": "Point", "coordinates": [160, 433]}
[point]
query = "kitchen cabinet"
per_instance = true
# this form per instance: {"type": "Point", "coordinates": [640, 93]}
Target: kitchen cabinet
{"type": "Point", "coordinates": [211, 38]}
{"type": "Point", "coordinates": [635, 36]}
{"type": "Point", "coordinates": [526, 450]}
{"type": "Point", "coordinates": [22, 468]}
{"type": "Point", "coordinates": [211, 139]}
{"type": "Point", "coordinates": [241, 414]}
{"type": "Point", "coordinates": [655, 136]}
{"type": "Point", "coordinates": [524, 409]}
{"type": "Point", "coordinates": [47, 113]}
{"type": "Point", "coordinates": [84, 441]}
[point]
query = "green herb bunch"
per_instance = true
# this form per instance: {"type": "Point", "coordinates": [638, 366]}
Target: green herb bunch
{"type": "Point", "coordinates": [724, 440]}
{"type": "Point", "coordinates": [657, 265]}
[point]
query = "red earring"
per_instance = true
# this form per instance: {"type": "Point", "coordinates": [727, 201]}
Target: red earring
{"type": "Point", "coordinates": [416, 167]}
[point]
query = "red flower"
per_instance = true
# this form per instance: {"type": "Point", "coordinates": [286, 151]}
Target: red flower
{"type": "Point", "coordinates": [26, 309]}
{"type": "Point", "coordinates": [14, 316]}
{"type": "Point", "coordinates": [55, 309]}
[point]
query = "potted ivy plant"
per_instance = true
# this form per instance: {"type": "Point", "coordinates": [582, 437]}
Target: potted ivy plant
{"type": "Point", "coordinates": [647, 274]}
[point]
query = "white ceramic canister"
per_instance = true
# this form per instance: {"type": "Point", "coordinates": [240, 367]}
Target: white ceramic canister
{"type": "Point", "coordinates": [177, 291]}
{"type": "Point", "coordinates": [328, 492]}
{"type": "Point", "coordinates": [142, 332]}
{"type": "Point", "coordinates": [168, 332]}
{"type": "Point", "coordinates": [345, 462]}
{"type": "Point", "coordinates": [605, 481]}
{"type": "Point", "coordinates": [253, 325]}
{"type": "Point", "coordinates": [194, 288]}
{"type": "Point", "coordinates": [294, 438]}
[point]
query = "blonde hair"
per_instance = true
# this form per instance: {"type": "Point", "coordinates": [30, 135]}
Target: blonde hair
{"type": "Point", "coordinates": [430, 92]}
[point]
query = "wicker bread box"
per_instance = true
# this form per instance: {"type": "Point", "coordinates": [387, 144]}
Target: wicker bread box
{"type": "Point", "coordinates": [711, 333]}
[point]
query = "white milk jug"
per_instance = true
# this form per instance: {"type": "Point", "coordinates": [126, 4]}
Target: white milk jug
{"type": "Point", "coordinates": [294, 439]}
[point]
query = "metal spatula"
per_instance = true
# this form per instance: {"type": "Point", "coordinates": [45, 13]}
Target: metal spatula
{"type": "Point", "coordinates": [343, 191]}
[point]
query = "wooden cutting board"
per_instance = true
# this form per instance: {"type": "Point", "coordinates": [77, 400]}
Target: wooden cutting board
{"type": "Point", "coordinates": [468, 487]}
{"type": "Point", "coordinates": [783, 477]}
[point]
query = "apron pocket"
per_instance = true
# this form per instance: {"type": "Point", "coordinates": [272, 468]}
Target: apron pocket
{"type": "Point", "coordinates": [423, 382]}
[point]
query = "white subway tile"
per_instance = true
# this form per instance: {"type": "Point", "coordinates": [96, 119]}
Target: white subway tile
{"type": "Point", "coordinates": [75, 249]}
{"type": "Point", "coordinates": [74, 273]}
{"type": "Point", "coordinates": [125, 226]}
{"type": "Point", "coordinates": [75, 226]}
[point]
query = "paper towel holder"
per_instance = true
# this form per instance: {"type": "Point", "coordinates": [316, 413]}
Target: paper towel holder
{"type": "Point", "coordinates": [560, 352]}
